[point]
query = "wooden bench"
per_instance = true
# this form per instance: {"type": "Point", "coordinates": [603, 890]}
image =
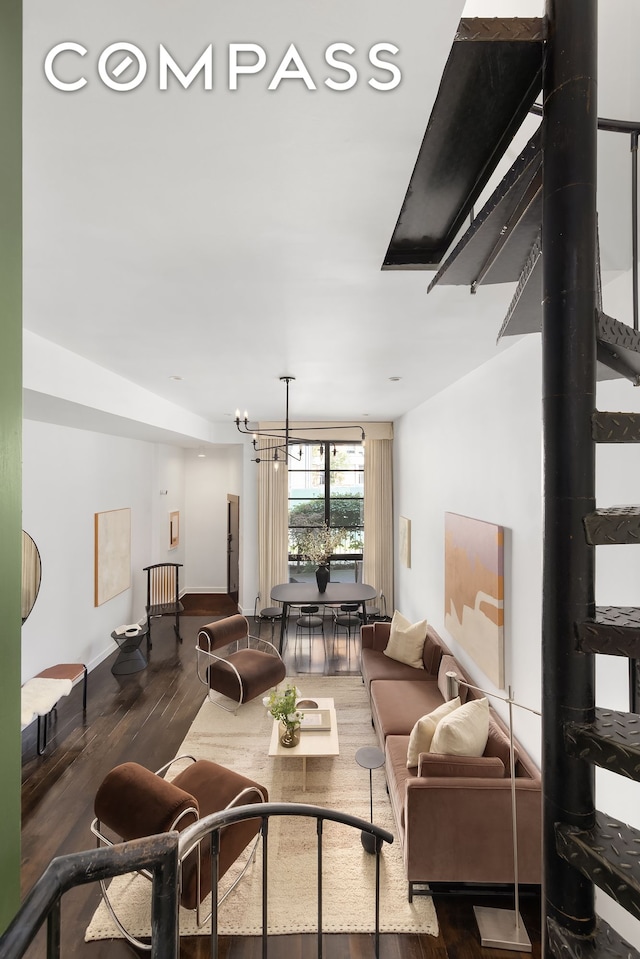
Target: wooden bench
{"type": "Point", "coordinates": [41, 695]}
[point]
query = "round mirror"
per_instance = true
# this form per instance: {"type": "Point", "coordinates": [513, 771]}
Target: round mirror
{"type": "Point", "coordinates": [31, 574]}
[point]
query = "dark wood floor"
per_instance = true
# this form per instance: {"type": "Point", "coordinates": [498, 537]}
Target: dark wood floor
{"type": "Point", "coordinates": [144, 717]}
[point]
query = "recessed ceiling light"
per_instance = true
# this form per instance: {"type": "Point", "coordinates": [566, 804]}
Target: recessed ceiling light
{"type": "Point", "coordinates": [394, 379]}
{"type": "Point", "coordinates": [174, 377]}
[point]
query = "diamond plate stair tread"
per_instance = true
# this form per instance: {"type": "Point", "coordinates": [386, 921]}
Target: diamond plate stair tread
{"type": "Point", "coordinates": [615, 427]}
{"type": "Point", "coordinates": [614, 631]}
{"type": "Point", "coordinates": [616, 355]}
{"type": "Point", "coordinates": [502, 220]}
{"type": "Point", "coordinates": [618, 346]}
{"type": "Point", "coordinates": [605, 943]}
{"type": "Point", "coordinates": [612, 742]}
{"type": "Point", "coordinates": [608, 855]}
{"type": "Point", "coordinates": [615, 525]}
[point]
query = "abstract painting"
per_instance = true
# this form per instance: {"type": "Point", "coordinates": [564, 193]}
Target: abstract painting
{"type": "Point", "coordinates": [174, 529]}
{"type": "Point", "coordinates": [112, 554]}
{"type": "Point", "coordinates": [474, 591]}
{"type": "Point", "coordinates": [404, 541]}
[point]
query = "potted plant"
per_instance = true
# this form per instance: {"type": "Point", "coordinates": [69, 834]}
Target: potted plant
{"type": "Point", "coordinates": [318, 545]}
{"type": "Point", "coordinates": [282, 706]}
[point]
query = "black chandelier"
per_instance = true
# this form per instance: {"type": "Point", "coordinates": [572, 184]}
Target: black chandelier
{"type": "Point", "coordinates": [279, 443]}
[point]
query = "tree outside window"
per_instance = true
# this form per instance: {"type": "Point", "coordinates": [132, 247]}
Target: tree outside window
{"type": "Point", "coordinates": [327, 487]}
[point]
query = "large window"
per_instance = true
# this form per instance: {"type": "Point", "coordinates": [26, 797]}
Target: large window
{"type": "Point", "coordinates": [327, 486]}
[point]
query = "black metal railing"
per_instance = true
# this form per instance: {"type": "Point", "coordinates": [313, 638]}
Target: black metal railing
{"type": "Point", "coordinates": [161, 855]}
{"type": "Point", "coordinates": [158, 854]}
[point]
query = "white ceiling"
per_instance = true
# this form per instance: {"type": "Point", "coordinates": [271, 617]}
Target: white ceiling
{"type": "Point", "coordinates": [232, 237]}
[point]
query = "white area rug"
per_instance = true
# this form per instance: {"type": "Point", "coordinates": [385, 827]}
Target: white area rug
{"type": "Point", "coordinates": [242, 742]}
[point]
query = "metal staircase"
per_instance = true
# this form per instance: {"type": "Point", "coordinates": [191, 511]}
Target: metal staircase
{"type": "Point", "coordinates": [583, 847]}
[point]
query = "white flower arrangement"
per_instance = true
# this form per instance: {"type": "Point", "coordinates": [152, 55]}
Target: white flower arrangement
{"type": "Point", "coordinates": [319, 544]}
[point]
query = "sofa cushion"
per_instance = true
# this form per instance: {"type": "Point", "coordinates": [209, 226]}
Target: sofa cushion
{"type": "Point", "coordinates": [395, 752]}
{"type": "Point", "coordinates": [397, 705]}
{"type": "Point", "coordinates": [434, 764]}
{"type": "Point", "coordinates": [449, 665]}
{"type": "Point", "coordinates": [374, 665]}
{"type": "Point", "coordinates": [422, 733]}
{"type": "Point", "coordinates": [406, 641]}
{"type": "Point", "coordinates": [464, 732]}
{"type": "Point", "coordinates": [431, 654]}
{"type": "Point", "coordinates": [498, 745]}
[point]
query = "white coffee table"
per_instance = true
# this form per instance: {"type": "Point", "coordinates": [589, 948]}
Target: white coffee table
{"type": "Point", "coordinates": [312, 742]}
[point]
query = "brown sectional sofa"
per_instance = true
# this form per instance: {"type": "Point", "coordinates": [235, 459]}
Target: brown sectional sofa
{"type": "Point", "coordinates": [453, 813]}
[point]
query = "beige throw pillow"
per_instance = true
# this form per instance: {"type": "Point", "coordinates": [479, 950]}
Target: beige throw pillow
{"type": "Point", "coordinates": [406, 641]}
{"type": "Point", "coordinates": [423, 731]}
{"type": "Point", "coordinates": [463, 732]}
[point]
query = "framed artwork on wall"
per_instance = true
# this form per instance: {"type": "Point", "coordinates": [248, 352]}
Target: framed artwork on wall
{"type": "Point", "coordinates": [404, 541]}
{"type": "Point", "coordinates": [174, 529]}
{"type": "Point", "coordinates": [112, 559]}
{"type": "Point", "coordinates": [474, 590]}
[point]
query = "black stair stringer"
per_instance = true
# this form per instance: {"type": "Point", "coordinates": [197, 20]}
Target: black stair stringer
{"type": "Point", "coordinates": [608, 855]}
{"type": "Point", "coordinates": [614, 631]}
{"type": "Point", "coordinates": [605, 943]}
{"type": "Point", "coordinates": [616, 525]}
{"type": "Point", "coordinates": [615, 427]}
{"type": "Point", "coordinates": [611, 741]}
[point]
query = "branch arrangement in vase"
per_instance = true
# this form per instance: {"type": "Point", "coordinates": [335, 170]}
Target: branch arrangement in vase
{"type": "Point", "coordinates": [321, 543]}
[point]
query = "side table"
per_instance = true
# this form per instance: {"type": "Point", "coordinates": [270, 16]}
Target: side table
{"type": "Point", "coordinates": [369, 757]}
{"type": "Point", "coordinates": [130, 658]}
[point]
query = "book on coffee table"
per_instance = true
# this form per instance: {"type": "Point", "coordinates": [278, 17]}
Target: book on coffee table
{"type": "Point", "coordinates": [316, 719]}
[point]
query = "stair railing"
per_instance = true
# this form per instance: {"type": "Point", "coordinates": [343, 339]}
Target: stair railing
{"type": "Point", "coordinates": [158, 854]}
{"type": "Point", "coordinates": [211, 825]}
{"type": "Point", "coordinates": [161, 856]}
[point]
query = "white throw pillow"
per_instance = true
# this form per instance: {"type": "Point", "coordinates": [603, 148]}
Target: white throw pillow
{"type": "Point", "coordinates": [463, 732]}
{"type": "Point", "coordinates": [406, 641]}
{"type": "Point", "coordinates": [423, 731]}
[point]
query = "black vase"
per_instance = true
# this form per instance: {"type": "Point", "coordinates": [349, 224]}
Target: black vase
{"type": "Point", "coordinates": [322, 578]}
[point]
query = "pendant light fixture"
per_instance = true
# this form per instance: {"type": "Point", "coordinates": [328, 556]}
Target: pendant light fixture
{"type": "Point", "coordinates": [277, 445]}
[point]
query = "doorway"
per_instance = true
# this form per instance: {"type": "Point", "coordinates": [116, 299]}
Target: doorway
{"type": "Point", "coordinates": [233, 546]}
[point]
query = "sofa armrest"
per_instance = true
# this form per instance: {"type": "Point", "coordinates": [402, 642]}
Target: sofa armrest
{"type": "Point", "coordinates": [366, 636]}
{"type": "Point", "coordinates": [459, 830]}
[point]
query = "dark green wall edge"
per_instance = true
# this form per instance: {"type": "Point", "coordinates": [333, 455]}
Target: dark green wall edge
{"type": "Point", "coordinates": [10, 449]}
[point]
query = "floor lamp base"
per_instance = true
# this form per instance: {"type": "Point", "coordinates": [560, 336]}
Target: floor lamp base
{"type": "Point", "coordinates": [501, 929]}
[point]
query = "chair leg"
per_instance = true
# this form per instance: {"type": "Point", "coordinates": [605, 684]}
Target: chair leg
{"type": "Point", "coordinates": [177, 628]}
{"type": "Point", "coordinates": [41, 733]}
{"type": "Point", "coordinates": [127, 935]}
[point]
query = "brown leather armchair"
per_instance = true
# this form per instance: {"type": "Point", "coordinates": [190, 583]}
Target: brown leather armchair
{"type": "Point", "coordinates": [133, 802]}
{"type": "Point", "coordinates": [244, 672]}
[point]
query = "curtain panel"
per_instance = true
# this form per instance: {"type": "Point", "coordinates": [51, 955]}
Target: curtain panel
{"type": "Point", "coordinates": [273, 529]}
{"type": "Point", "coordinates": [378, 518]}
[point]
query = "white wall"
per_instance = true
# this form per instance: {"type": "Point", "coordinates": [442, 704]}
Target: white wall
{"type": "Point", "coordinates": [68, 476]}
{"type": "Point", "coordinates": [167, 494]}
{"type": "Point", "coordinates": [71, 474]}
{"type": "Point", "coordinates": [476, 449]}
{"type": "Point", "coordinates": [209, 480]}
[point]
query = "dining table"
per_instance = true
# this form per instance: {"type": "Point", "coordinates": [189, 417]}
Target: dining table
{"type": "Point", "coordinates": [308, 594]}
